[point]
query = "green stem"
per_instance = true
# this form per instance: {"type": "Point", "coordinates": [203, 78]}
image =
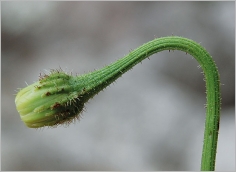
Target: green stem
{"type": "Point", "coordinates": [103, 77]}
{"type": "Point", "coordinates": [59, 98]}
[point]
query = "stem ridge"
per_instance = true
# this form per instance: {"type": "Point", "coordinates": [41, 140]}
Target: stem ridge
{"type": "Point", "coordinates": [211, 76]}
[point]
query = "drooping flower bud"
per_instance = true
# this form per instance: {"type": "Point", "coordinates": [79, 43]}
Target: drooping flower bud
{"type": "Point", "coordinates": [51, 101]}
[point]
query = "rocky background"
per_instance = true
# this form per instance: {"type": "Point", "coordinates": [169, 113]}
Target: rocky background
{"type": "Point", "coordinates": [152, 118]}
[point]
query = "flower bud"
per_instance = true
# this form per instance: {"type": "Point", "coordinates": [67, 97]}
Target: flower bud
{"type": "Point", "coordinates": [51, 101]}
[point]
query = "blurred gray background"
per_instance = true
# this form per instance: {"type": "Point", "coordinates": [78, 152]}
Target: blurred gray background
{"type": "Point", "coordinates": [152, 118]}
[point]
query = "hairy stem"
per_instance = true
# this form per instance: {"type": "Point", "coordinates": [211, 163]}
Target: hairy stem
{"type": "Point", "coordinates": [103, 77]}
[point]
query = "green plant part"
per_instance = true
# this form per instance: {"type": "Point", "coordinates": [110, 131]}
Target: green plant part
{"type": "Point", "coordinates": [59, 98]}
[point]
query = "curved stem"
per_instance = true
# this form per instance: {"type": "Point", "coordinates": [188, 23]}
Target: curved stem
{"type": "Point", "coordinates": [101, 78]}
